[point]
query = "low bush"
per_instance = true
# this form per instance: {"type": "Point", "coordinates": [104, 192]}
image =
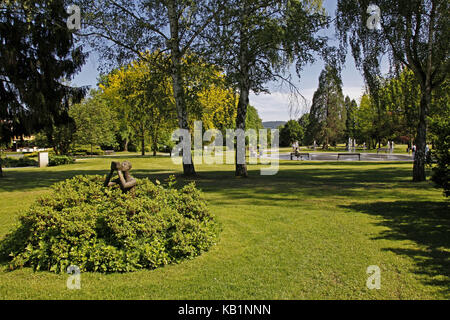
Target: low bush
{"type": "Point", "coordinates": [20, 162]}
{"type": "Point", "coordinates": [86, 150]}
{"type": "Point", "coordinates": [54, 160]}
{"type": "Point", "coordinates": [102, 229]}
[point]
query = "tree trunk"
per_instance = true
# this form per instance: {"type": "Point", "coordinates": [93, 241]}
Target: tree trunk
{"type": "Point", "coordinates": [178, 90]}
{"type": "Point", "coordinates": [143, 145]}
{"type": "Point", "coordinates": [125, 147]}
{"type": "Point", "coordinates": [155, 146]}
{"type": "Point", "coordinates": [241, 168]}
{"type": "Point", "coordinates": [421, 139]}
{"type": "Point", "coordinates": [155, 140]}
{"type": "Point", "coordinates": [244, 90]}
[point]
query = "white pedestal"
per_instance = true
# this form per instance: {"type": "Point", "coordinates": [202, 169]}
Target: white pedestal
{"type": "Point", "coordinates": [43, 159]}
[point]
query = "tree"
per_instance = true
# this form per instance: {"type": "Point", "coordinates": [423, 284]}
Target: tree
{"type": "Point", "coordinates": [143, 95]}
{"type": "Point", "coordinates": [253, 121]}
{"type": "Point", "coordinates": [366, 128]}
{"type": "Point", "coordinates": [401, 93]}
{"type": "Point", "coordinates": [95, 122]}
{"type": "Point", "coordinates": [255, 41]}
{"type": "Point", "coordinates": [37, 52]}
{"type": "Point", "coordinates": [415, 33]}
{"type": "Point", "coordinates": [61, 136]}
{"type": "Point", "coordinates": [328, 115]}
{"type": "Point", "coordinates": [145, 99]}
{"type": "Point", "coordinates": [304, 123]}
{"type": "Point", "coordinates": [440, 131]}
{"type": "Point", "coordinates": [290, 132]}
{"type": "Point", "coordinates": [124, 30]}
{"type": "Point", "coordinates": [350, 122]}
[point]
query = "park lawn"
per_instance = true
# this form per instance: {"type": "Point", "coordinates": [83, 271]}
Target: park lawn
{"type": "Point", "coordinates": [398, 149]}
{"type": "Point", "coordinates": [309, 232]}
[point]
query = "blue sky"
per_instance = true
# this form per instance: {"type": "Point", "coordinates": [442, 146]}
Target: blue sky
{"type": "Point", "coordinates": [273, 106]}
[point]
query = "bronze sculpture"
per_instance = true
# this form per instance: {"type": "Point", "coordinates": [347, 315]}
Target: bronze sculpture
{"type": "Point", "coordinates": [125, 180]}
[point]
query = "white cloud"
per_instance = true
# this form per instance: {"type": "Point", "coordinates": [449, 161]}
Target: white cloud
{"type": "Point", "coordinates": [275, 106]}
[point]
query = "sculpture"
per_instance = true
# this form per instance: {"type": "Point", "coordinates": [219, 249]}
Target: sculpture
{"type": "Point", "coordinates": [125, 180]}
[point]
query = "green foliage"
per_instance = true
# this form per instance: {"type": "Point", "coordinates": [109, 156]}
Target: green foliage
{"type": "Point", "coordinates": [54, 161]}
{"type": "Point", "coordinates": [327, 117]}
{"type": "Point", "coordinates": [61, 137]}
{"type": "Point", "coordinates": [141, 97]}
{"type": "Point", "coordinates": [37, 51]}
{"type": "Point", "coordinates": [95, 122]}
{"type": "Point", "coordinates": [290, 132]}
{"type": "Point", "coordinates": [84, 150]}
{"type": "Point", "coordinates": [253, 121]}
{"type": "Point", "coordinates": [102, 229]}
{"type": "Point", "coordinates": [15, 163]}
{"type": "Point", "coordinates": [350, 123]}
{"type": "Point", "coordinates": [440, 131]}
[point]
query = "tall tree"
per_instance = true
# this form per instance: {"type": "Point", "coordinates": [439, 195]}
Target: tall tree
{"type": "Point", "coordinates": [256, 41]}
{"type": "Point", "coordinates": [95, 122]}
{"type": "Point", "coordinates": [37, 53]}
{"type": "Point", "coordinates": [415, 33]}
{"type": "Point", "coordinates": [440, 130]}
{"type": "Point", "coordinates": [123, 30]}
{"type": "Point", "coordinates": [366, 122]}
{"type": "Point", "coordinates": [328, 115]}
{"type": "Point", "coordinates": [291, 132]}
{"type": "Point", "coordinates": [144, 99]}
{"type": "Point", "coordinates": [350, 122]}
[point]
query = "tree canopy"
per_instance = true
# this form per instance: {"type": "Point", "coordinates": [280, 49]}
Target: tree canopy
{"type": "Point", "coordinates": [415, 34]}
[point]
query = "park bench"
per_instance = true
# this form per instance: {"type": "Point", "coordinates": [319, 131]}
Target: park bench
{"type": "Point", "coordinates": [349, 154]}
{"type": "Point", "coordinates": [109, 152]}
{"type": "Point", "coordinates": [300, 156]}
{"type": "Point", "coordinates": [386, 150]}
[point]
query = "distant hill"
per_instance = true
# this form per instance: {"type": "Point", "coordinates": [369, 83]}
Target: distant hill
{"type": "Point", "coordinates": [273, 124]}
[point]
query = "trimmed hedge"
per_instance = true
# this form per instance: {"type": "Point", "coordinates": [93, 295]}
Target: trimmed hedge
{"type": "Point", "coordinates": [54, 161]}
{"type": "Point", "coordinates": [102, 229]}
{"type": "Point", "coordinates": [16, 163]}
{"type": "Point", "coordinates": [86, 151]}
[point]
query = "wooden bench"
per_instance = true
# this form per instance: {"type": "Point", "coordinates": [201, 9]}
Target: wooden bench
{"type": "Point", "coordinates": [109, 152]}
{"type": "Point", "coordinates": [299, 155]}
{"type": "Point", "coordinates": [349, 154]}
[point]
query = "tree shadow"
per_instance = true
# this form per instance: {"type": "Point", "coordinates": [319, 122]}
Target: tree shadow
{"type": "Point", "coordinates": [310, 179]}
{"type": "Point", "coordinates": [425, 223]}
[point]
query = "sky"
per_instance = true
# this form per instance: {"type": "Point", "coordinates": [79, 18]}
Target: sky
{"type": "Point", "coordinates": [273, 106]}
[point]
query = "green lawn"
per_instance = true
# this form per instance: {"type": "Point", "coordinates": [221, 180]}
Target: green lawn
{"type": "Point", "coordinates": [398, 149]}
{"type": "Point", "coordinates": [309, 232]}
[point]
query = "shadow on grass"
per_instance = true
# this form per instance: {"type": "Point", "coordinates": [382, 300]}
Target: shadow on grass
{"type": "Point", "coordinates": [425, 223]}
{"type": "Point", "coordinates": [313, 179]}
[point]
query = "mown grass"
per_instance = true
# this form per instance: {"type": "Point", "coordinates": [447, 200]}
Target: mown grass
{"type": "Point", "coordinates": [310, 232]}
{"type": "Point", "coordinates": [398, 149]}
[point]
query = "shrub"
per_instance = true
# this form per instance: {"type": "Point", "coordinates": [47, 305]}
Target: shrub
{"type": "Point", "coordinates": [102, 229]}
{"type": "Point", "coordinates": [54, 160]}
{"type": "Point", "coordinates": [86, 150]}
{"type": "Point", "coordinates": [15, 163]}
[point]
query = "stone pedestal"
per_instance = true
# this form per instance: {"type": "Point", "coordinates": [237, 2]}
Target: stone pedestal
{"type": "Point", "coordinates": [43, 159]}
